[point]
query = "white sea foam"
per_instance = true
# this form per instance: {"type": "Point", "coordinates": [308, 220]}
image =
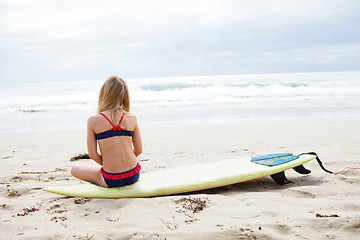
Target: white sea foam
{"type": "Point", "coordinates": [163, 100]}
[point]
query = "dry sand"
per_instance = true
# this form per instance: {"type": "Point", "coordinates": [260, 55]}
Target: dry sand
{"type": "Point", "coordinates": [316, 206]}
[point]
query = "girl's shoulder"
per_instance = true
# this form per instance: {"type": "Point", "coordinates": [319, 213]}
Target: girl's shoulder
{"type": "Point", "coordinates": [94, 119]}
{"type": "Point", "coordinates": [128, 114]}
{"type": "Point", "coordinates": [131, 121]}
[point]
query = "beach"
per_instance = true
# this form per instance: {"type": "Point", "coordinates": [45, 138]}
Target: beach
{"type": "Point", "coordinates": [212, 84]}
{"type": "Point", "coordinates": [316, 206]}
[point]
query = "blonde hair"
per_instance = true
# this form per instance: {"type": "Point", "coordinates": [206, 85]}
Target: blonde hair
{"type": "Point", "coordinates": [114, 94]}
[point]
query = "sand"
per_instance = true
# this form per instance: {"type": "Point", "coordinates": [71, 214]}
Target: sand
{"type": "Point", "coordinates": [316, 206]}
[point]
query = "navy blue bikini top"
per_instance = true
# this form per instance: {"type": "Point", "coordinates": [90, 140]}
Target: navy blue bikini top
{"type": "Point", "coordinates": [115, 131]}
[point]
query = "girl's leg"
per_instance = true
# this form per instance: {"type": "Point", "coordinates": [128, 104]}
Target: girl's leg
{"type": "Point", "coordinates": [89, 174]}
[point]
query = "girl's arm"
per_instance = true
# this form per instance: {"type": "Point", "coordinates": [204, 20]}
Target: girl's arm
{"type": "Point", "coordinates": [137, 142]}
{"type": "Point", "coordinates": [91, 143]}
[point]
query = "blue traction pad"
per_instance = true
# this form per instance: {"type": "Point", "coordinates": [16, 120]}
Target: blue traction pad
{"type": "Point", "coordinates": [274, 159]}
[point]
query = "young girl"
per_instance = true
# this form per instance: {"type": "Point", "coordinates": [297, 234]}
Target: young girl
{"type": "Point", "coordinates": [117, 133]}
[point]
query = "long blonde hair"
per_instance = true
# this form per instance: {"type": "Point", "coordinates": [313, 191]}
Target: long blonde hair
{"type": "Point", "coordinates": [114, 95]}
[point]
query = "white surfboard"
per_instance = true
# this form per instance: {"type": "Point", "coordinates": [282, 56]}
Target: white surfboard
{"type": "Point", "coordinates": [183, 179]}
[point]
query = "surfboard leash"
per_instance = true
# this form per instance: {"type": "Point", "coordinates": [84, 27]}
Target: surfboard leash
{"type": "Point", "coordinates": [319, 161]}
{"type": "Point", "coordinates": [323, 168]}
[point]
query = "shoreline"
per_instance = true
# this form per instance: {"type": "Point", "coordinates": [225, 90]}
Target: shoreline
{"type": "Point", "coordinates": [318, 204]}
{"type": "Point", "coordinates": [188, 124]}
{"type": "Point", "coordinates": [181, 116]}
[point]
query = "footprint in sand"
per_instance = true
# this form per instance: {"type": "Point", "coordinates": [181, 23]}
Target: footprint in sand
{"type": "Point", "coordinates": [301, 194]}
{"type": "Point", "coordinates": [57, 209]}
{"type": "Point", "coordinates": [16, 179]}
{"type": "Point", "coordinates": [81, 200]}
{"type": "Point", "coordinates": [12, 193]}
{"type": "Point", "coordinates": [283, 229]}
{"type": "Point", "coordinates": [247, 233]}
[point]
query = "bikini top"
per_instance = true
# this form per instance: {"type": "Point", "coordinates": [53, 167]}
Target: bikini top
{"type": "Point", "coordinates": [115, 131]}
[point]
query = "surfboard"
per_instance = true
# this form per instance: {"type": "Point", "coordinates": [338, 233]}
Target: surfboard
{"type": "Point", "coordinates": [188, 178]}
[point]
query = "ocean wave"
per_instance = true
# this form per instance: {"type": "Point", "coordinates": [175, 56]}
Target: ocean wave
{"type": "Point", "coordinates": [259, 90]}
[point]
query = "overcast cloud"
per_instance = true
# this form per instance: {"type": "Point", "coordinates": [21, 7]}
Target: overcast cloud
{"type": "Point", "coordinates": [44, 40]}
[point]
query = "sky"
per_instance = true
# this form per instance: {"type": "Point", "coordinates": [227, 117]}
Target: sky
{"type": "Point", "coordinates": [66, 40]}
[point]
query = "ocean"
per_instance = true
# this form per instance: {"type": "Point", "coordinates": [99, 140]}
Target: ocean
{"type": "Point", "coordinates": [187, 100]}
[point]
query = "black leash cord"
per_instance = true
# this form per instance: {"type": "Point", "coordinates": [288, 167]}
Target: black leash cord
{"type": "Point", "coordinates": [319, 161]}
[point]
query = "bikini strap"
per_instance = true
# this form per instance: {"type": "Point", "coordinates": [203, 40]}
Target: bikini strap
{"type": "Point", "coordinates": [107, 119]}
{"type": "Point", "coordinates": [115, 128]}
{"type": "Point", "coordinates": [122, 117]}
